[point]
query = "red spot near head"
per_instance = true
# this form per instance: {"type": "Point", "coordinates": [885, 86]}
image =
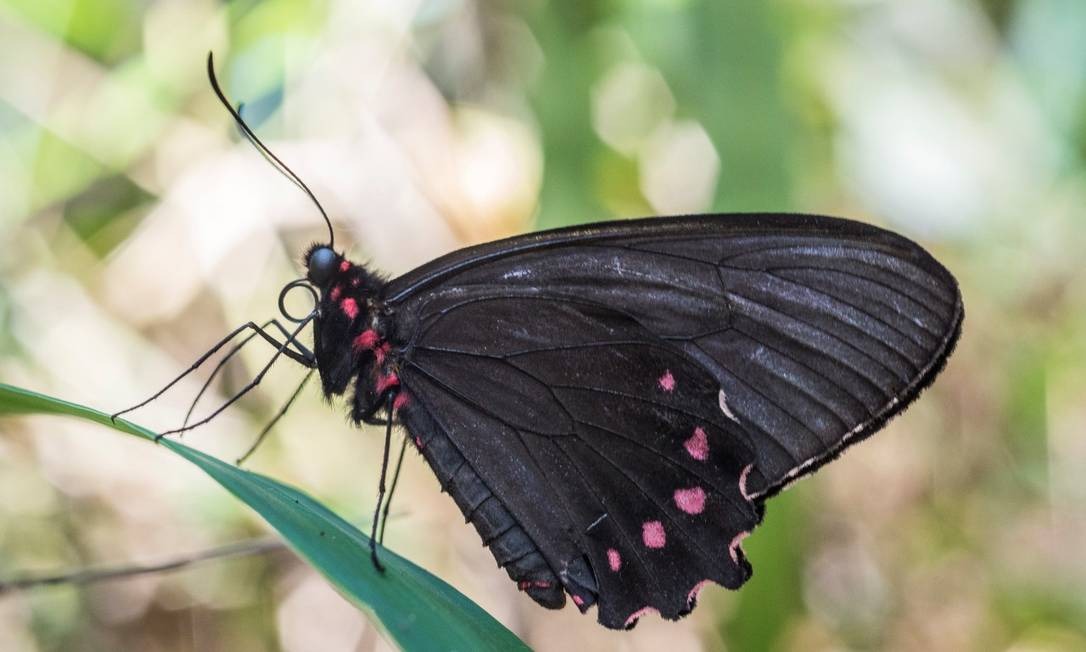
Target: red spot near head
{"type": "Point", "coordinates": [349, 307]}
{"type": "Point", "coordinates": [400, 401]}
{"type": "Point", "coordinates": [743, 481]}
{"type": "Point", "coordinates": [344, 266]}
{"type": "Point", "coordinates": [691, 501]}
{"type": "Point", "coordinates": [366, 340]}
{"type": "Point", "coordinates": [334, 294]}
{"type": "Point", "coordinates": [698, 445]}
{"type": "Point", "coordinates": [384, 382]}
{"type": "Point", "coordinates": [380, 352]}
{"type": "Point", "coordinates": [667, 381]}
{"type": "Point", "coordinates": [733, 547]}
{"type": "Point", "coordinates": [614, 560]}
{"type": "Point", "coordinates": [652, 533]}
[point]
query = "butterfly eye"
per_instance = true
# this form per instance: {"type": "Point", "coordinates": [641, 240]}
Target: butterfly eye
{"type": "Point", "coordinates": [322, 262]}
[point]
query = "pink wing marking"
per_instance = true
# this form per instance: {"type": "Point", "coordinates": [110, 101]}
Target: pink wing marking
{"type": "Point", "coordinates": [698, 445]}
{"type": "Point", "coordinates": [652, 533]}
{"type": "Point", "coordinates": [691, 501]}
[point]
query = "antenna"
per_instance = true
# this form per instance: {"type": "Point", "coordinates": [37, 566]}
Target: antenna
{"type": "Point", "coordinates": [263, 149]}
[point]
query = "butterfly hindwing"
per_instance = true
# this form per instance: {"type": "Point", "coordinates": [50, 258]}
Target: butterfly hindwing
{"type": "Point", "coordinates": [606, 443]}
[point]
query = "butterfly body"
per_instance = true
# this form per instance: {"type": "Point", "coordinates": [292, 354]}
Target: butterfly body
{"type": "Point", "coordinates": [611, 405]}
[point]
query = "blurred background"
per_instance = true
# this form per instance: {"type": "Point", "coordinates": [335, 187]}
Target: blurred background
{"type": "Point", "coordinates": [136, 229]}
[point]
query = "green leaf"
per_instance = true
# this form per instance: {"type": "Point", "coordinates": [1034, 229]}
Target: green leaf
{"type": "Point", "coordinates": [416, 609]}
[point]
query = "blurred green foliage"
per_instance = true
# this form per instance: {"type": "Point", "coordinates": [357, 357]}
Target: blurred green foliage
{"type": "Point", "coordinates": [961, 124]}
{"type": "Point", "coordinates": [414, 608]}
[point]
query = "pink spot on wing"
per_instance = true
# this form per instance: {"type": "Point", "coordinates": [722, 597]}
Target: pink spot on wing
{"type": "Point", "coordinates": [698, 445]}
{"type": "Point", "coordinates": [349, 307]}
{"type": "Point", "coordinates": [419, 443]}
{"type": "Point", "coordinates": [344, 266]}
{"type": "Point", "coordinates": [733, 547]}
{"type": "Point", "coordinates": [693, 595]}
{"type": "Point", "coordinates": [691, 501]}
{"type": "Point", "coordinates": [334, 294]}
{"type": "Point", "coordinates": [667, 381]}
{"type": "Point", "coordinates": [652, 533]}
{"type": "Point", "coordinates": [578, 600]}
{"type": "Point", "coordinates": [384, 382]}
{"type": "Point", "coordinates": [355, 282]}
{"type": "Point", "coordinates": [743, 481]}
{"type": "Point", "coordinates": [637, 614]}
{"type": "Point", "coordinates": [614, 560]}
{"type": "Point", "coordinates": [366, 340]}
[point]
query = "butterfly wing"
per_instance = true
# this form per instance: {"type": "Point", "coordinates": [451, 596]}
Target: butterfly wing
{"type": "Point", "coordinates": [570, 369]}
{"type": "Point", "coordinates": [602, 442]}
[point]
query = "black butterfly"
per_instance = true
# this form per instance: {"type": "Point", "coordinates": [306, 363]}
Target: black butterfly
{"type": "Point", "coordinates": [611, 405]}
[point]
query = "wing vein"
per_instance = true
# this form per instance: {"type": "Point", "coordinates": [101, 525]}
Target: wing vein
{"type": "Point", "coordinates": [812, 327]}
{"type": "Point", "coordinates": [709, 481]}
{"type": "Point", "coordinates": [916, 304]}
{"type": "Point", "coordinates": [653, 501]}
{"type": "Point", "coordinates": [825, 379]}
{"type": "Point", "coordinates": [849, 304]}
{"type": "Point", "coordinates": [622, 531]}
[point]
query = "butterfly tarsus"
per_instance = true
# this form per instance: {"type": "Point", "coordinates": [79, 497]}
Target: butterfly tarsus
{"type": "Point", "coordinates": [391, 492]}
{"type": "Point", "coordinates": [275, 419]}
{"type": "Point", "coordinates": [281, 350]}
{"type": "Point", "coordinates": [389, 400]}
{"type": "Point", "coordinates": [306, 353]}
{"type": "Point", "coordinates": [306, 361]}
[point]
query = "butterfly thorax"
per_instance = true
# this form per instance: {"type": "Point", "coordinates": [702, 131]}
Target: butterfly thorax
{"type": "Point", "coordinates": [350, 341]}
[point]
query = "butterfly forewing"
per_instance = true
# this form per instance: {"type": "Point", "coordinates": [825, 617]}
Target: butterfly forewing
{"type": "Point", "coordinates": [631, 392]}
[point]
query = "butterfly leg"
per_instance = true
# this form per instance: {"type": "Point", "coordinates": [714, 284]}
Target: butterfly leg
{"type": "Point", "coordinates": [391, 397]}
{"type": "Point", "coordinates": [275, 419]}
{"type": "Point", "coordinates": [368, 417]}
{"type": "Point", "coordinates": [307, 361]}
{"type": "Point", "coordinates": [391, 491]}
{"type": "Point", "coordinates": [282, 349]}
{"type": "Point", "coordinates": [368, 402]}
{"type": "Point", "coordinates": [233, 351]}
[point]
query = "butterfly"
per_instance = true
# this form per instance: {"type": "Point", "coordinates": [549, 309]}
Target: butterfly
{"type": "Point", "coordinates": [611, 405]}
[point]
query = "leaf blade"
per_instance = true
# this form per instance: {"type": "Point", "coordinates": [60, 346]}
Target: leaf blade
{"type": "Point", "coordinates": [416, 609]}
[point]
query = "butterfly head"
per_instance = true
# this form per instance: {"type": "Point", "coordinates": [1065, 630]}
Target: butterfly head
{"type": "Point", "coordinates": [321, 264]}
{"type": "Point", "coordinates": [324, 269]}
